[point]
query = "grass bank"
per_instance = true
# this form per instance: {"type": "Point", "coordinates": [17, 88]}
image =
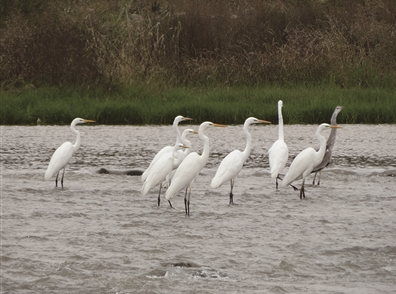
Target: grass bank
{"type": "Point", "coordinates": [146, 105]}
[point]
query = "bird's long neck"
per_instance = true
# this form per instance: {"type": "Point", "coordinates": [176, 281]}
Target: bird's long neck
{"type": "Point", "coordinates": [322, 150]}
{"type": "Point", "coordinates": [78, 139]}
{"type": "Point", "coordinates": [248, 147]}
{"type": "Point", "coordinates": [333, 132]}
{"type": "Point", "coordinates": [177, 132]}
{"type": "Point", "coordinates": [280, 118]}
{"type": "Point", "coordinates": [205, 152]}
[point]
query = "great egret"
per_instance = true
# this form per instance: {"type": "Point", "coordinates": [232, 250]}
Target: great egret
{"type": "Point", "coordinates": [180, 154]}
{"type": "Point", "coordinates": [159, 170]}
{"type": "Point", "coordinates": [190, 167]}
{"type": "Point", "coordinates": [64, 153]}
{"type": "Point", "coordinates": [232, 164]}
{"type": "Point", "coordinates": [278, 153]}
{"type": "Point", "coordinates": [166, 149]}
{"type": "Point", "coordinates": [329, 146]}
{"type": "Point", "coordinates": [304, 162]}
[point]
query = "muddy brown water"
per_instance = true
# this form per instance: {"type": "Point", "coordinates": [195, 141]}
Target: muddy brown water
{"type": "Point", "coordinates": [98, 235]}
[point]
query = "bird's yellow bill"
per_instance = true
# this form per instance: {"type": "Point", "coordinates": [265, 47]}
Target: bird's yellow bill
{"type": "Point", "coordinates": [263, 121]}
{"type": "Point", "coordinates": [195, 132]}
{"type": "Point", "coordinates": [184, 146]}
{"type": "Point", "coordinates": [219, 125]}
{"type": "Point", "coordinates": [187, 118]}
{"type": "Point", "coordinates": [88, 120]}
{"type": "Point", "coordinates": [335, 127]}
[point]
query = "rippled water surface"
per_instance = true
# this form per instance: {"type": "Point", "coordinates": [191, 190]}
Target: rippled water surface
{"type": "Point", "coordinates": [98, 235]}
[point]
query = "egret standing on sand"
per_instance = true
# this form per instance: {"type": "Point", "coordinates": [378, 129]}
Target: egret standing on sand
{"type": "Point", "coordinates": [278, 154]}
{"type": "Point", "coordinates": [190, 167]}
{"type": "Point", "coordinates": [232, 164]}
{"type": "Point", "coordinates": [166, 149]}
{"type": "Point", "coordinates": [64, 153]}
{"type": "Point", "coordinates": [329, 146]}
{"type": "Point", "coordinates": [304, 162]}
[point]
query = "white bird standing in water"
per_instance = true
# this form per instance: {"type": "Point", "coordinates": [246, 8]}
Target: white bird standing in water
{"type": "Point", "coordinates": [64, 153]}
{"type": "Point", "coordinates": [190, 167]}
{"type": "Point", "coordinates": [180, 155]}
{"type": "Point", "coordinates": [232, 164]}
{"type": "Point", "coordinates": [329, 146]}
{"type": "Point", "coordinates": [304, 162]}
{"type": "Point", "coordinates": [278, 154]}
{"type": "Point", "coordinates": [159, 170]}
{"type": "Point", "coordinates": [166, 149]}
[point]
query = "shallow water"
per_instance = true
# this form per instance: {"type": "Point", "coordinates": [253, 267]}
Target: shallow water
{"type": "Point", "coordinates": [98, 235]}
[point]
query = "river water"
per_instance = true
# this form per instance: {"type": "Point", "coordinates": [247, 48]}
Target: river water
{"type": "Point", "coordinates": [98, 235]}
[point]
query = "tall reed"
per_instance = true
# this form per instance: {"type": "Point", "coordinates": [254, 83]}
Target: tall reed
{"type": "Point", "coordinates": [193, 43]}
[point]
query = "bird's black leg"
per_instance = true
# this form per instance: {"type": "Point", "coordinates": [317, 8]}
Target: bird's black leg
{"type": "Point", "coordinates": [185, 201]}
{"type": "Point", "coordinates": [188, 202]}
{"type": "Point", "coordinates": [302, 191]}
{"type": "Point", "coordinates": [232, 195]}
{"type": "Point", "coordinates": [170, 204]}
{"type": "Point", "coordinates": [313, 183]}
{"type": "Point", "coordinates": [63, 174]}
{"type": "Point", "coordinates": [278, 177]}
{"type": "Point", "coordinates": [159, 195]}
{"type": "Point", "coordinates": [56, 180]}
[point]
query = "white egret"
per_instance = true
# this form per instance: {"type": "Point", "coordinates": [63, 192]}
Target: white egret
{"type": "Point", "coordinates": [232, 164]}
{"type": "Point", "coordinates": [64, 153]}
{"type": "Point", "coordinates": [190, 167]}
{"type": "Point", "coordinates": [180, 154]}
{"type": "Point", "coordinates": [278, 154]}
{"type": "Point", "coordinates": [329, 146]}
{"type": "Point", "coordinates": [159, 170]}
{"type": "Point", "coordinates": [166, 149]}
{"type": "Point", "coordinates": [304, 162]}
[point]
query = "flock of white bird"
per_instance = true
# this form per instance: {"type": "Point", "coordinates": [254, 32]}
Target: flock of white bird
{"type": "Point", "coordinates": [176, 167]}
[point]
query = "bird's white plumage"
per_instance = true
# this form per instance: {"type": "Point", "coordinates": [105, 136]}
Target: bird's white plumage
{"type": "Point", "coordinates": [232, 164]}
{"type": "Point", "coordinates": [160, 169]}
{"type": "Point", "coordinates": [59, 159]}
{"type": "Point", "coordinates": [166, 149]}
{"type": "Point", "coordinates": [305, 161]}
{"type": "Point", "coordinates": [278, 154]}
{"type": "Point", "coordinates": [64, 153]}
{"type": "Point", "coordinates": [229, 168]}
{"type": "Point", "coordinates": [190, 167]}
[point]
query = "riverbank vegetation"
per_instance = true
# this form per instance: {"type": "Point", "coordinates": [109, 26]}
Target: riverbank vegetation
{"type": "Point", "coordinates": [142, 105]}
{"type": "Point", "coordinates": [137, 62]}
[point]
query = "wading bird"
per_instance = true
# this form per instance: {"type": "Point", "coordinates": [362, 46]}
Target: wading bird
{"type": "Point", "coordinates": [190, 167]}
{"type": "Point", "coordinates": [278, 153]}
{"type": "Point", "coordinates": [159, 170]}
{"type": "Point", "coordinates": [329, 146]}
{"type": "Point", "coordinates": [64, 153]}
{"type": "Point", "coordinates": [180, 155]}
{"type": "Point", "coordinates": [304, 162]}
{"type": "Point", "coordinates": [166, 149]}
{"type": "Point", "coordinates": [232, 164]}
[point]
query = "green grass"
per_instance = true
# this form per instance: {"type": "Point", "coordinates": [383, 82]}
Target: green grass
{"type": "Point", "coordinates": [143, 105]}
